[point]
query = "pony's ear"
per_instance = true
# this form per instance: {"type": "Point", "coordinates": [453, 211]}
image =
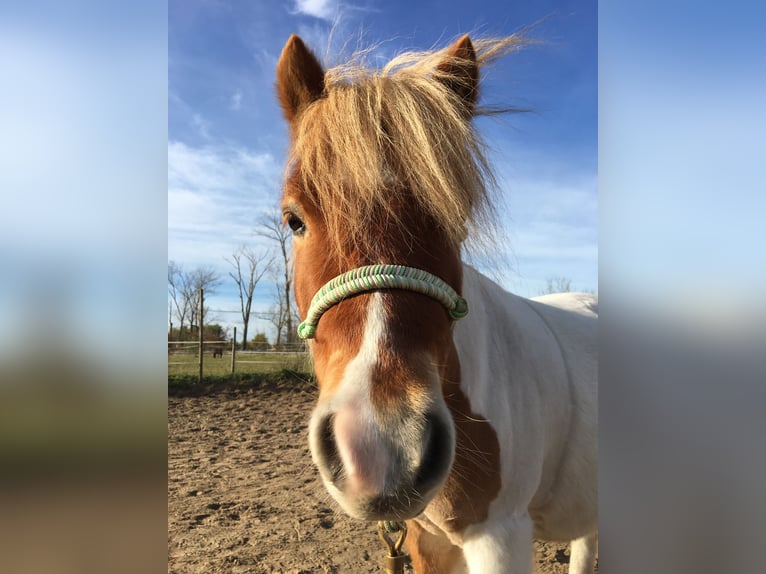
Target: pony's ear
{"type": "Point", "coordinates": [300, 78]}
{"type": "Point", "coordinates": [459, 71]}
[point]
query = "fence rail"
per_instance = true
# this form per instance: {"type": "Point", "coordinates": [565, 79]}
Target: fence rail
{"type": "Point", "coordinates": [189, 356]}
{"type": "Point", "coordinates": [183, 358]}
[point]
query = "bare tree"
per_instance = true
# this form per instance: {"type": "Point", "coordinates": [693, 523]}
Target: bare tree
{"type": "Point", "coordinates": [249, 267]}
{"type": "Point", "coordinates": [556, 284]}
{"type": "Point", "coordinates": [207, 279]}
{"type": "Point", "coordinates": [277, 315]}
{"type": "Point", "coordinates": [183, 288]}
{"type": "Point", "coordinates": [271, 227]}
{"type": "Point", "coordinates": [176, 282]}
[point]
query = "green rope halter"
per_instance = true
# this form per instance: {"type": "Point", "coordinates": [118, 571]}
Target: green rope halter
{"type": "Point", "coordinates": [371, 277]}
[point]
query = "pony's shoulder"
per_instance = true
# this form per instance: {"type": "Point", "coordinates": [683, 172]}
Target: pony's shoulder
{"type": "Point", "coordinates": [577, 302]}
{"type": "Point", "coordinates": [584, 303]}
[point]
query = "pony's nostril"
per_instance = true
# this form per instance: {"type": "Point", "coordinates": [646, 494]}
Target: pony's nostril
{"type": "Point", "coordinates": [328, 449]}
{"type": "Point", "coordinates": [436, 455]}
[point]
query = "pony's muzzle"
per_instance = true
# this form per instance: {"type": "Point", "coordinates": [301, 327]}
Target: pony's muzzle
{"type": "Point", "coordinates": [375, 474]}
{"type": "Point", "coordinates": [437, 455]}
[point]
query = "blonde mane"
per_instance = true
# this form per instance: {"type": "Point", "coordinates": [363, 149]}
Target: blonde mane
{"type": "Point", "coordinates": [380, 141]}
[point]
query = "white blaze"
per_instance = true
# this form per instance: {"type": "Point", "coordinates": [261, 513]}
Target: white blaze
{"type": "Point", "coordinates": [356, 434]}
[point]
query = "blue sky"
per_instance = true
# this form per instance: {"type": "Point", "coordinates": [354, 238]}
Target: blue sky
{"type": "Point", "coordinates": [227, 141]}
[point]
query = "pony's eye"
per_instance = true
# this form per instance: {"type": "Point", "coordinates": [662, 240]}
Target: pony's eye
{"type": "Point", "coordinates": [296, 224]}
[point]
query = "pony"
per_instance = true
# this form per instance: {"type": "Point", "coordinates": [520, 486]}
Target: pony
{"type": "Point", "coordinates": [479, 430]}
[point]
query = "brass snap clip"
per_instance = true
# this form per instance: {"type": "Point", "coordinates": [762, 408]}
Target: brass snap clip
{"type": "Point", "coordinates": [395, 558]}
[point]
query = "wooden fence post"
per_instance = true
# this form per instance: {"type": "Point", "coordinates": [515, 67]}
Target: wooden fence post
{"type": "Point", "coordinates": [201, 331]}
{"type": "Point", "coordinates": [233, 349]}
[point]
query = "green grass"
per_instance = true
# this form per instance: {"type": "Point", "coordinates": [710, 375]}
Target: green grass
{"type": "Point", "coordinates": [245, 363]}
{"type": "Point", "coordinates": [289, 370]}
{"type": "Point", "coordinates": [283, 379]}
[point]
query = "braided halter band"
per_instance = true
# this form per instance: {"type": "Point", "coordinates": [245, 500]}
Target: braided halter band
{"type": "Point", "coordinates": [373, 277]}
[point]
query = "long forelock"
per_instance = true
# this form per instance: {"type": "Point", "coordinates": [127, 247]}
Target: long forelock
{"type": "Point", "coordinates": [380, 141]}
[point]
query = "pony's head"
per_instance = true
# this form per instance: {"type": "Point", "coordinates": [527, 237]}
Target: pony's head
{"type": "Point", "coordinates": [385, 168]}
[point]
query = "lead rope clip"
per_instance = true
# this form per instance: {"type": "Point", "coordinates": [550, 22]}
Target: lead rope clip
{"type": "Point", "coordinates": [395, 558]}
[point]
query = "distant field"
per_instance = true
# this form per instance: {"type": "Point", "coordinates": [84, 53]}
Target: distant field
{"type": "Point", "coordinates": [187, 362]}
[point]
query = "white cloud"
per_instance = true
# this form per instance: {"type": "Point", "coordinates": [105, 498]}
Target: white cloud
{"type": "Point", "coordinates": [236, 101]}
{"type": "Point", "coordinates": [202, 125]}
{"type": "Point", "coordinates": [217, 168]}
{"type": "Point", "coordinates": [215, 196]}
{"type": "Point", "coordinates": [553, 231]}
{"type": "Point", "coordinates": [323, 9]}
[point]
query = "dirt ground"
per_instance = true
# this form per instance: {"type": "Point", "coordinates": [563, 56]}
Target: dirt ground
{"type": "Point", "coordinates": [244, 496]}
